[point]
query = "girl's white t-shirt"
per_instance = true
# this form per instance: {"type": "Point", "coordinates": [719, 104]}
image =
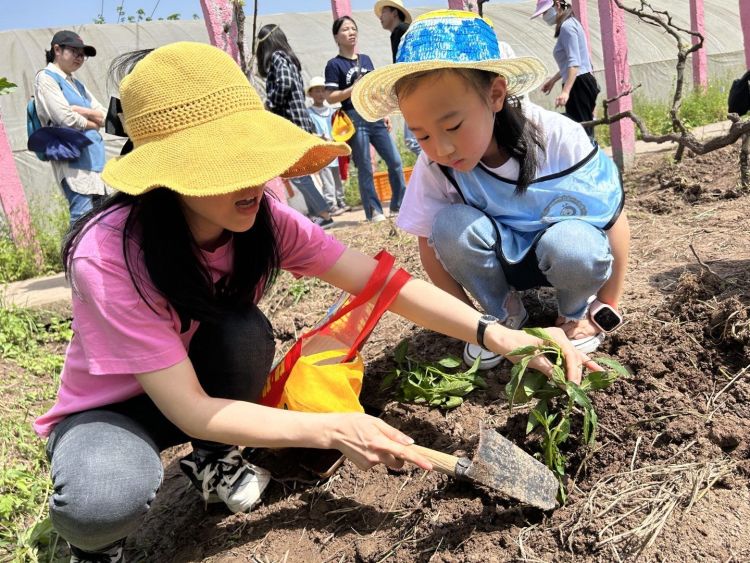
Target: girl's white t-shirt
{"type": "Point", "coordinates": [429, 190]}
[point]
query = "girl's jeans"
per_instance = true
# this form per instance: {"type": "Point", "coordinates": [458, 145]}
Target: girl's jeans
{"type": "Point", "coordinates": [105, 462]}
{"type": "Point", "coordinates": [377, 134]}
{"type": "Point", "coordinates": [572, 256]}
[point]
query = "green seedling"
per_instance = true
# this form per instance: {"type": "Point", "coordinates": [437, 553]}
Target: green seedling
{"type": "Point", "coordinates": [550, 417]}
{"type": "Point", "coordinates": [437, 384]}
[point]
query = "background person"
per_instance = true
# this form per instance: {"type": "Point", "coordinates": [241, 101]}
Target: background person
{"type": "Point", "coordinates": [170, 345]}
{"type": "Point", "coordinates": [341, 73]}
{"type": "Point", "coordinates": [321, 114]}
{"type": "Point", "coordinates": [394, 17]}
{"type": "Point", "coordinates": [285, 96]}
{"type": "Point", "coordinates": [571, 52]}
{"type": "Point", "coordinates": [63, 101]}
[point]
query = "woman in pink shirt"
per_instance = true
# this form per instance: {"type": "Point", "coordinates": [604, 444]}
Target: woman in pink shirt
{"type": "Point", "coordinates": [169, 345]}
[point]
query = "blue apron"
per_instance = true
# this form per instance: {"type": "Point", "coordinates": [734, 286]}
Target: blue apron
{"type": "Point", "coordinates": [590, 191]}
{"type": "Point", "coordinates": [93, 156]}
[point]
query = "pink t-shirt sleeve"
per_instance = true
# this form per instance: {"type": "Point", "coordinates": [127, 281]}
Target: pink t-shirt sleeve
{"type": "Point", "coordinates": [118, 330]}
{"type": "Point", "coordinates": [305, 248]}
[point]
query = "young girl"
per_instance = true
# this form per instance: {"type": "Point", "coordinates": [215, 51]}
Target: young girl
{"type": "Point", "coordinates": [285, 96]}
{"type": "Point", "coordinates": [571, 52]}
{"type": "Point", "coordinates": [170, 345]}
{"type": "Point", "coordinates": [341, 73]}
{"type": "Point", "coordinates": [501, 200]}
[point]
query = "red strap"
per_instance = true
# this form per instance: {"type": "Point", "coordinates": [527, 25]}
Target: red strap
{"type": "Point", "coordinates": [387, 296]}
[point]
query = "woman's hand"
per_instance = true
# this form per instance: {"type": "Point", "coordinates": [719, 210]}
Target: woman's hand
{"type": "Point", "coordinates": [574, 360]}
{"type": "Point", "coordinates": [367, 441]}
{"type": "Point", "coordinates": [388, 124]}
{"type": "Point", "coordinates": [562, 99]}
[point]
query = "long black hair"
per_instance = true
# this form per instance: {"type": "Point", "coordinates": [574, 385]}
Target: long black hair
{"type": "Point", "coordinates": [518, 136]}
{"type": "Point", "coordinates": [174, 264]}
{"type": "Point", "coordinates": [270, 40]}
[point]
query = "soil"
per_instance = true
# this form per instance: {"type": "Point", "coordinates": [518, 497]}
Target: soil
{"type": "Point", "coordinates": [667, 480]}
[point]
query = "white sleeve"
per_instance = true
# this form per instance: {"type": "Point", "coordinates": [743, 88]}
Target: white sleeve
{"type": "Point", "coordinates": [566, 141]}
{"type": "Point", "coordinates": [428, 192]}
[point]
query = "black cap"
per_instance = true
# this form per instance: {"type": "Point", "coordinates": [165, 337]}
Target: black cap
{"type": "Point", "coordinates": [72, 39]}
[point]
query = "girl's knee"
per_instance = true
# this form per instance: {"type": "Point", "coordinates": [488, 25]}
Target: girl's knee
{"type": "Point", "coordinates": [577, 249]}
{"type": "Point", "coordinates": [452, 224]}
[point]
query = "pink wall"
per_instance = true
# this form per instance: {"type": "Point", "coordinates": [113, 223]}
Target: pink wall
{"type": "Point", "coordinates": [341, 8]}
{"type": "Point", "coordinates": [468, 5]}
{"type": "Point", "coordinates": [745, 20]}
{"type": "Point", "coordinates": [615, 51]}
{"type": "Point", "coordinates": [221, 25]}
{"type": "Point", "coordinates": [700, 60]}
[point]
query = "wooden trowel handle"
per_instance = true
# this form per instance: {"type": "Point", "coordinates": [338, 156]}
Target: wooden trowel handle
{"type": "Point", "coordinates": [442, 462]}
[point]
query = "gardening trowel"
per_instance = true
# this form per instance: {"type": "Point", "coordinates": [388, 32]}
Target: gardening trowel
{"type": "Point", "coordinates": [502, 466]}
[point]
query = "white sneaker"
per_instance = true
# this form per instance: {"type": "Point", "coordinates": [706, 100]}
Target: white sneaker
{"type": "Point", "coordinates": [377, 218]}
{"type": "Point", "coordinates": [588, 344]}
{"type": "Point", "coordinates": [227, 477]}
{"type": "Point", "coordinates": [517, 317]}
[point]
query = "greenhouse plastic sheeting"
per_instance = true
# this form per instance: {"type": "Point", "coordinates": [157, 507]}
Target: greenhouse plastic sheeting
{"type": "Point", "coordinates": [652, 55]}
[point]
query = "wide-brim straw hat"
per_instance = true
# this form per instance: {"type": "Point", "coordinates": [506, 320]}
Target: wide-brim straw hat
{"type": "Point", "coordinates": [439, 40]}
{"type": "Point", "coordinates": [380, 4]}
{"type": "Point", "coordinates": [199, 128]}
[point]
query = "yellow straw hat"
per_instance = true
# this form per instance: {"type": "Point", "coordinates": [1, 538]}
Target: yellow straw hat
{"type": "Point", "coordinates": [438, 40]}
{"type": "Point", "coordinates": [199, 128]}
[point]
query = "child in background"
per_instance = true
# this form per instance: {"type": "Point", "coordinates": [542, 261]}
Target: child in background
{"type": "Point", "coordinates": [321, 115]}
{"type": "Point", "coordinates": [504, 197]}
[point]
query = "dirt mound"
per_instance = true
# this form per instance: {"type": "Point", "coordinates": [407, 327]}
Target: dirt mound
{"type": "Point", "coordinates": [664, 186]}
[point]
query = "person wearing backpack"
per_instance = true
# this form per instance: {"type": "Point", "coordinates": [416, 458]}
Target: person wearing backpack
{"type": "Point", "coordinates": [738, 100]}
{"type": "Point", "coordinates": [63, 101]}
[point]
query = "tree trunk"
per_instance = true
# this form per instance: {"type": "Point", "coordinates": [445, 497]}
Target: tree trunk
{"type": "Point", "coordinates": [745, 162]}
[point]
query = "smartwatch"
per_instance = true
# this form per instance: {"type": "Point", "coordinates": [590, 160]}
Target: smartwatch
{"type": "Point", "coordinates": [604, 316]}
{"type": "Point", "coordinates": [484, 322]}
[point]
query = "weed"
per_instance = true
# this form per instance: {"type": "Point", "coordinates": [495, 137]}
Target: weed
{"type": "Point", "coordinates": [31, 340]}
{"type": "Point", "coordinates": [552, 418]}
{"type": "Point", "coordinates": [430, 383]}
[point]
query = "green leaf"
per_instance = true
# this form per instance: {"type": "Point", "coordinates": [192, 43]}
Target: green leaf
{"type": "Point", "coordinates": [400, 353]}
{"type": "Point", "coordinates": [533, 381]}
{"type": "Point", "coordinates": [451, 362]}
{"type": "Point", "coordinates": [578, 395]}
{"type": "Point", "coordinates": [562, 431]}
{"type": "Point", "coordinates": [523, 351]}
{"type": "Point", "coordinates": [613, 365]}
{"type": "Point", "coordinates": [6, 86]}
{"type": "Point", "coordinates": [549, 391]}
{"type": "Point", "coordinates": [541, 334]}
{"type": "Point", "coordinates": [597, 380]}
{"type": "Point", "coordinates": [590, 424]}
{"type": "Point", "coordinates": [479, 382]}
{"type": "Point", "coordinates": [558, 376]}
{"type": "Point", "coordinates": [539, 412]}
{"type": "Point", "coordinates": [389, 379]}
{"type": "Point", "coordinates": [453, 402]}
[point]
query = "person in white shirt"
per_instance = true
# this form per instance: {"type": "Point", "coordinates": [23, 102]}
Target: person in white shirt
{"type": "Point", "coordinates": [63, 101]}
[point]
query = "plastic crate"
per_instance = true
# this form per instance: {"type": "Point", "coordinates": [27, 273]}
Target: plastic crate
{"type": "Point", "coordinates": [383, 186]}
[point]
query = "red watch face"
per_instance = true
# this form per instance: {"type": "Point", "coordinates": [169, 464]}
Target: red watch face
{"type": "Point", "coordinates": [607, 318]}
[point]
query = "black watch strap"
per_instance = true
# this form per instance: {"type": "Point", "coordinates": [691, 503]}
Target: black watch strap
{"type": "Point", "coordinates": [484, 322]}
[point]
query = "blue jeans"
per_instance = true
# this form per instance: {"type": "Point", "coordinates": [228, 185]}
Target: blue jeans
{"type": "Point", "coordinates": [105, 462]}
{"type": "Point", "coordinates": [78, 204]}
{"type": "Point", "coordinates": [376, 134]}
{"type": "Point", "coordinates": [572, 256]}
{"type": "Point", "coordinates": [411, 141]}
{"type": "Point", "coordinates": [313, 200]}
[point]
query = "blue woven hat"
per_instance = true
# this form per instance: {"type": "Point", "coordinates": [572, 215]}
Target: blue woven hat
{"type": "Point", "coordinates": [444, 39]}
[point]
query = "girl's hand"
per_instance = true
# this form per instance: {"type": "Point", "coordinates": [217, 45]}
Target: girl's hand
{"type": "Point", "coordinates": [574, 360]}
{"type": "Point", "coordinates": [367, 441]}
{"type": "Point", "coordinates": [578, 329]}
{"type": "Point", "coordinates": [547, 86]}
{"type": "Point", "coordinates": [562, 99]}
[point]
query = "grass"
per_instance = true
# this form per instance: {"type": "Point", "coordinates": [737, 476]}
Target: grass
{"type": "Point", "coordinates": [31, 343]}
{"type": "Point", "coordinates": [698, 108]}
{"type": "Point", "coordinates": [18, 262]}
